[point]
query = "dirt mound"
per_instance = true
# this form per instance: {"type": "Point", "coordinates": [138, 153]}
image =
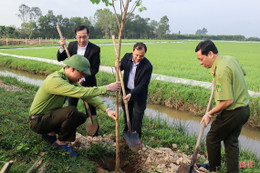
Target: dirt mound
{"type": "Point", "coordinates": [145, 160]}
{"type": "Point", "coordinates": [27, 42]}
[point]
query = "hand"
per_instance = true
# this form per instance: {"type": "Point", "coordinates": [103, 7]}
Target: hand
{"type": "Point", "coordinates": [206, 118]}
{"type": "Point", "coordinates": [115, 86]}
{"type": "Point", "coordinates": [118, 63]}
{"type": "Point", "coordinates": [62, 42]}
{"type": "Point", "coordinates": [81, 81]}
{"type": "Point", "coordinates": [112, 114]}
{"type": "Point", "coordinates": [127, 97]}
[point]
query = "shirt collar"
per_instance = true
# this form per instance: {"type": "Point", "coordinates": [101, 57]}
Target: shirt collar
{"type": "Point", "coordinates": [62, 73]}
{"type": "Point", "coordinates": [134, 62]}
{"type": "Point", "coordinates": [215, 64]}
{"type": "Point", "coordinates": [83, 47]}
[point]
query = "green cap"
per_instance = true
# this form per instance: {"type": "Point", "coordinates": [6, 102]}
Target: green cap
{"type": "Point", "coordinates": [78, 62]}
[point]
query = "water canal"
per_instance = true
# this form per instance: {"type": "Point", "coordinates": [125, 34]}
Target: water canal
{"type": "Point", "coordinates": [249, 138]}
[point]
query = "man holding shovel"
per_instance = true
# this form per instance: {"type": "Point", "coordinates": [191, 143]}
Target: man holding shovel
{"type": "Point", "coordinates": [137, 74]}
{"type": "Point", "coordinates": [48, 117]}
{"type": "Point", "coordinates": [87, 49]}
{"type": "Point", "coordinates": [232, 99]}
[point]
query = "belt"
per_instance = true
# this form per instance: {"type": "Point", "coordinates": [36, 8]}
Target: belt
{"type": "Point", "coordinates": [32, 117]}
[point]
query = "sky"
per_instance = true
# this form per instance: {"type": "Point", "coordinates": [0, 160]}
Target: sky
{"type": "Point", "coordinates": [219, 17]}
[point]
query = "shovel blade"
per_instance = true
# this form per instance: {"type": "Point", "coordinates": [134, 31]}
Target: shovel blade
{"type": "Point", "coordinates": [133, 140]}
{"type": "Point", "coordinates": [184, 168]}
{"type": "Point", "coordinates": [92, 126]}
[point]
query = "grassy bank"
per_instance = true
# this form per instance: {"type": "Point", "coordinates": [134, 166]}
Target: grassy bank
{"type": "Point", "coordinates": [175, 59]}
{"type": "Point", "coordinates": [178, 96]}
{"type": "Point", "coordinates": [19, 143]}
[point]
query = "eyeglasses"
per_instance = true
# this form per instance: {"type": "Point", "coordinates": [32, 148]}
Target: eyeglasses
{"type": "Point", "coordinates": [82, 37]}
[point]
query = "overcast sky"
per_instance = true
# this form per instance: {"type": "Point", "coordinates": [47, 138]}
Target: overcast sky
{"type": "Point", "coordinates": [228, 17]}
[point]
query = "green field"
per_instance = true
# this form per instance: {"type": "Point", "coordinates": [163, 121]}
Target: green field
{"type": "Point", "coordinates": [174, 58]}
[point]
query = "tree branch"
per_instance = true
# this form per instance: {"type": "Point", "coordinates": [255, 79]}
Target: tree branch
{"type": "Point", "coordinates": [132, 10]}
{"type": "Point", "coordinates": [122, 27]}
{"type": "Point", "coordinates": [117, 20]}
{"type": "Point", "coordinates": [122, 6]}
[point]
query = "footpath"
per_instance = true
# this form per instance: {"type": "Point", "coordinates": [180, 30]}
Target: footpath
{"type": "Point", "coordinates": [159, 77]}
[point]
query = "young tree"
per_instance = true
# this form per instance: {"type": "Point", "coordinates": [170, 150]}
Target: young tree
{"type": "Point", "coordinates": [125, 15]}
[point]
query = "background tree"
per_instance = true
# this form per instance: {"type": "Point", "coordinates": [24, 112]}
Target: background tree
{"type": "Point", "coordinates": [163, 27]}
{"type": "Point", "coordinates": [35, 13]}
{"type": "Point", "coordinates": [202, 31]}
{"type": "Point", "coordinates": [24, 13]}
{"type": "Point", "coordinates": [30, 29]}
{"type": "Point", "coordinates": [29, 17]}
{"type": "Point", "coordinates": [7, 31]}
{"type": "Point", "coordinates": [153, 29]}
{"type": "Point", "coordinates": [105, 21]}
{"type": "Point", "coordinates": [47, 25]}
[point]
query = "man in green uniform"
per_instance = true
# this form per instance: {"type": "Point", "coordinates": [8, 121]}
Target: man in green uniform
{"type": "Point", "coordinates": [232, 99]}
{"type": "Point", "coordinates": [48, 117]}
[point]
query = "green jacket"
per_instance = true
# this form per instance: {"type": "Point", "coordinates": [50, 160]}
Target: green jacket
{"type": "Point", "coordinates": [56, 88]}
{"type": "Point", "coordinates": [230, 82]}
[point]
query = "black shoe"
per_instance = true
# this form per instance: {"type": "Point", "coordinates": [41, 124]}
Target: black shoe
{"type": "Point", "coordinates": [209, 168]}
{"type": "Point", "coordinates": [48, 138]}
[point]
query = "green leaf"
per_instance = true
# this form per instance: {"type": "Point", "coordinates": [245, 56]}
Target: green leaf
{"type": "Point", "coordinates": [142, 9]}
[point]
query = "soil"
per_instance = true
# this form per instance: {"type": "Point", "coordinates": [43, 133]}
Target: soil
{"type": "Point", "coordinates": [147, 159]}
{"type": "Point", "coordinates": [27, 42]}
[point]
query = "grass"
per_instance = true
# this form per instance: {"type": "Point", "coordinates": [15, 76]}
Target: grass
{"type": "Point", "coordinates": [175, 59]}
{"type": "Point", "coordinates": [177, 96]}
{"type": "Point", "coordinates": [19, 143]}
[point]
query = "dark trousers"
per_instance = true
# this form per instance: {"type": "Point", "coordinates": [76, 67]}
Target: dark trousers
{"type": "Point", "coordinates": [63, 121]}
{"type": "Point", "coordinates": [226, 127]}
{"type": "Point", "coordinates": [136, 107]}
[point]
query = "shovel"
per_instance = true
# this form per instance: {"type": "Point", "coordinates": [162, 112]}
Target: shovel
{"type": "Point", "coordinates": [184, 168]}
{"type": "Point", "coordinates": [92, 121]}
{"type": "Point", "coordinates": [132, 138]}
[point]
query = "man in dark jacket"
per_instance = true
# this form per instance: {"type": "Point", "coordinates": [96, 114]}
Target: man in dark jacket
{"type": "Point", "coordinates": [87, 49]}
{"type": "Point", "coordinates": [137, 74]}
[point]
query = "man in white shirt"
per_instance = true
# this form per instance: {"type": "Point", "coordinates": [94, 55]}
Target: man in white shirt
{"type": "Point", "coordinates": [87, 49]}
{"type": "Point", "coordinates": [137, 74]}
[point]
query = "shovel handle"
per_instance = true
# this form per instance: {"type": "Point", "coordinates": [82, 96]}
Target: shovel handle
{"type": "Point", "coordinates": [65, 47]}
{"type": "Point", "coordinates": [122, 85]}
{"type": "Point", "coordinates": [88, 110]}
{"type": "Point", "coordinates": [194, 157]}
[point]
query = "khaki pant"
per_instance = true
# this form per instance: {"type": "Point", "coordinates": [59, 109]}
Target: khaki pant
{"type": "Point", "coordinates": [63, 121]}
{"type": "Point", "coordinates": [226, 127]}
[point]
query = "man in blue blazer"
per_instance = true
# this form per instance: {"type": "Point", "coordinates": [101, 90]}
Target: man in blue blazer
{"type": "Point", "coordinates": [87, 49]}
{"type": "Point", "coordinates": [137, 74]}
